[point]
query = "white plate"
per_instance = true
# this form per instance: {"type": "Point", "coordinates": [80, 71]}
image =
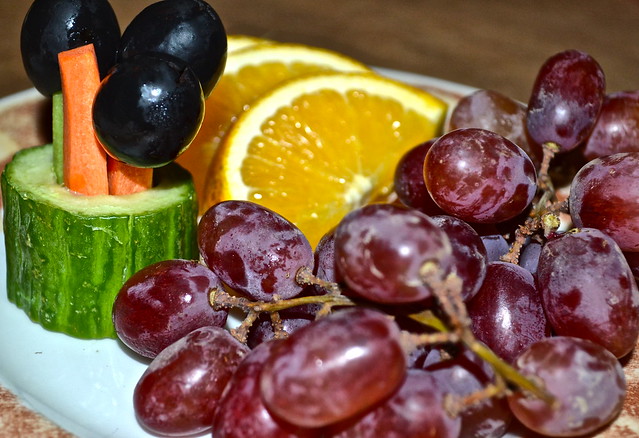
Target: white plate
{"type": "Point", "coordinates": [86, 387]}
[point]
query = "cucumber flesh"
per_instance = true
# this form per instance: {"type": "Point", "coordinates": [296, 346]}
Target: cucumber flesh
{"type": "Point", "coordinates": [68, 255]}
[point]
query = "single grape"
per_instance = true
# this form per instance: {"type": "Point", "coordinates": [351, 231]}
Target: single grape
{"type": "Point", "coordinates": [253, 249]}
{"type": "Point", "coordinates": [190, 30]}
{"type": "Point", "coordinates": [507, 313]}
{"type": "Point", "coordinates": [462, 373]}
{"type": "Point", "coordinates": [479, 176]}
{"type": "Point", "coordinates": [589, 291]}
{"type": "Point", "coordinates": [334, 368]}
{"type": "Point", "coordinates": [164, 302]}
{"type": "Point", "coordinates": [617, 127]}
{"type": "Point", "coordinates": [587, 381]}
{"type": "Point", "coordinates": [529, 258]}
{"type": "Point", "coordinates": [241, 412]}
{"type": "Point", "coordinates": [605, 195]}
{"type": "Point", "coordinates": [416, 410]}
{"type": "Point", "coordinates": [469, 253]}
{"type": "Point", "coordinates": [148, 110]}
{"type": "Point", "coordinates": [179, 392]}
{"type": "Point", "coordinates": [324, 256]}
{"type": "Point", "coordinates": [496, 112]}
{"type": "Point", "coordinates": [565, 100]}
{"type": "Point", "coordinates": [54, 26]}
{"type": "Point", "coordinates": [409, 180]}
{"type": "Point", "coordinates": [381, 250]}
{"type": "Point", "coordinates": [496, 246]}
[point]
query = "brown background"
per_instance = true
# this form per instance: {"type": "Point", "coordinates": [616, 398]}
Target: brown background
{"type": "Point", "coordinates": [486, 44]}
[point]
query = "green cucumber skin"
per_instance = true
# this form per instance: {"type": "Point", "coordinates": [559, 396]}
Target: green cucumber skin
{"type": "Point", "coordinates": [64, 269]}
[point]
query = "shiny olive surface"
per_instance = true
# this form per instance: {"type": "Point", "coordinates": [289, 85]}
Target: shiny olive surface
{"type": "Point", "coordinates": [53, 26]}
{"type": "Point", "coordinates": [148, 110]}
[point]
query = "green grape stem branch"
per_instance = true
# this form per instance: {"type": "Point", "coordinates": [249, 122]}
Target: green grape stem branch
{"type": "Point", "coordinates": [455, 330]}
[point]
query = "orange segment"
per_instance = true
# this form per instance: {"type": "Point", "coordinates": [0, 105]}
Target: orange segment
{"type": "Point", "coordinates": [250, 72]}
{"type": "Point", "coordinates": [319, 146]}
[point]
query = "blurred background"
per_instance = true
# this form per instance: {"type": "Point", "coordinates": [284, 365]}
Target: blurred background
{"type": "Point", "coordinates": [487, 44]}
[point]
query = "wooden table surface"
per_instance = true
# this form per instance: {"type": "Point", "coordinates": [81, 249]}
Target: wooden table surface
{"type": "Point", "coordinates": [486, 44]}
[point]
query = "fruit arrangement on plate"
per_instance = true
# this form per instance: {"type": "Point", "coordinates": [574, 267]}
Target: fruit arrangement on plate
{"type": "Point", "coordinates": [394, 266]}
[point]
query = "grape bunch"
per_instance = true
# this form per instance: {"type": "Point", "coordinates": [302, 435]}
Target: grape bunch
{"type": "Point", "coordinates": [490, 295]}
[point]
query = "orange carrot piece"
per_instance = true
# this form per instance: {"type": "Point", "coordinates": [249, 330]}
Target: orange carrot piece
{"type": "Point", "coordinates": [85, 168]}
{"type": "Point", "coordinates": [125, 179]}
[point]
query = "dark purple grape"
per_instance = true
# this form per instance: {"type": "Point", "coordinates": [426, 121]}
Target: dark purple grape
{"type": "Point", "coordinates": [241, 412]}
{"type": "Point", "coordinates": [605, 195]}
{"type": "Point", "coordinates": [463, 374]}
{"type": "Point", "coordinates": [409, 180]}
{"type": "Point", "coordinates": [164, 302]}
{"type": "Point", "coordinates": [507, 314]}
{"type": "Point", "coordinates": [253, 249]}
{"type": "Point", "coordinates": [469, 253]}
{"type": "Point", "coordinates": [381, 249]}
{"type": "Point", "coordinates": [324, 256]}
{"type": "Point", "coordinates": [479, 176]}
{"type": "Point", "coordinates": [587, 381]}
{"type": "Point", "coordinates": [589, 291]}
{"type": "Point", "coordinates": [179, 392]}
{"type": "Point", "coordinates": [491, 110]}
{"type": "Point", "coordinates": [416, 410]}
{"type": "Point", "coordinates": [54, 26]}
{"type": "Point", "coordinates": [148, 110]}
{"type": "Point", "coordinates": [566, 99]}
{"type": "Point", "coordinates": [334, 368]}
{"type": "Point", "coordinates": [190, 30]}
{"type": "Point", "coordinates": [529, 258]}
{"type": "Point", "coordinates": [496, 246]}
{"type": "Point", "coordinates": [617, 127]}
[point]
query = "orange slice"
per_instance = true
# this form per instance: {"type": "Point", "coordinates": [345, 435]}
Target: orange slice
{"type": "Point", "coordinates": [237, 42]}
{"type": "Point", "coordinates": [250, 72]}
{"type": "Point", "coordinates": [319, 146]}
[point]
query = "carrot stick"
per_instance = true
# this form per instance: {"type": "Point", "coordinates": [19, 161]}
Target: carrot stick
{"type": "Point", "coordinates": [85, 168]}
{"type": "Point", "coordinates": [125, 179]}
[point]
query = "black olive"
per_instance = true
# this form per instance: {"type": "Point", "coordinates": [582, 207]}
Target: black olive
{"type": "Point", "coordinates": [187, 29]}
{"type": "Point", "coordinates": [53, 26]}
{"type": "Point", "coordinates": [148, 110]}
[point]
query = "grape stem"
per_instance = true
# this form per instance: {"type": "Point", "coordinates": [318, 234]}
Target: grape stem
{"type": "Point", "coordinates": [545, 212]}
{"type": "Point", "coordinates": [448, 293]}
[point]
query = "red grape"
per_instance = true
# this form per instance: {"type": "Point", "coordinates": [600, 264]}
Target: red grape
{"type": "Point", "coordinates": [566, 99]}
{"type": "Point", "coordinates": [164, 302]}
{"type": "Point", "coordinates": [463, 374]}
{"type": "Point", "coordinates": [380, 251]}
{"type": "Point", "coordinates": [241, 412]}
{"type": "Point", "coordinates": [416, 410]}
{"type": "Point", "coordinates": [507, 313]}
{"type": "Point", "coordinates": [617, 128]}
{"type": "Point", "coordinates": [605, 195]}
{"type": "Point", "coordinates": [479, 176]}
{"type": "Point", "coordinates": [334, 368]}
{"type": "Point", "coordinates": [253, 249]}
{"type": "Point", "coordinates": [179, 392]}
{"type": "Point", "coordinates": [587, 381]}
{"type": "Point", "coordinates": [491, 110]}
{"type": "Point", "coordinates": [469, 253]}
{"type": "Point", "coordinates": [589, 291]}
{"type": "Point", "coordinates": [409, 180]}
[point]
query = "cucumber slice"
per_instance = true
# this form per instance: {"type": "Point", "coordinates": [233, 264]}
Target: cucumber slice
{"type": "Point", "coordinates": [68, 255]}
